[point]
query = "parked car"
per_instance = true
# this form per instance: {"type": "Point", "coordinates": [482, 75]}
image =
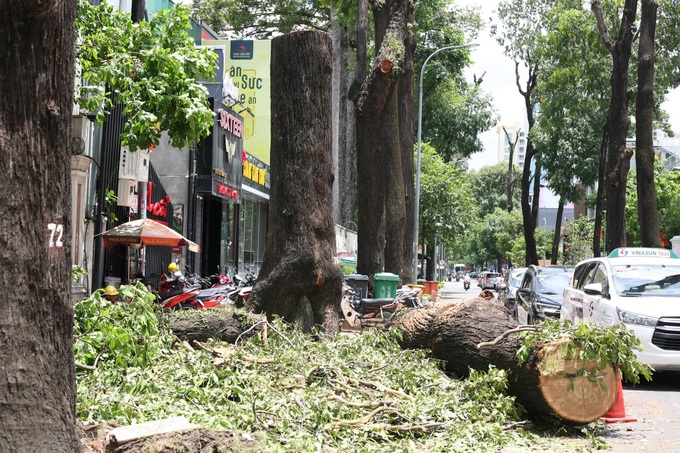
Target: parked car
{"type": "Point", "coordinates": [639, 287]}
{"type": "Point", "coordinates": [507, 293]}
{"type": "Point", "coordinates": [490, 280]}
{"type": "Point", "coordinates": [540, 294]}
{"type": "Point", "coordinates": [480, 277]}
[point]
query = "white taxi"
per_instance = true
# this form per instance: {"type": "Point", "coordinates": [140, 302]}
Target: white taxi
{"type": "Point", "coordinates": [637, 286]}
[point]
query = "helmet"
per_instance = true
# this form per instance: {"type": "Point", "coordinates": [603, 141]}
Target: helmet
{"type": "Point", "coordinates": [110, 291]}
{"type": "Point", "coordinates": [172, 267]}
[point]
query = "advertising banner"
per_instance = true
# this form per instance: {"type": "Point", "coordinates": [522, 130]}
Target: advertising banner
{"type": "Point", "coordinates": [246, 66]}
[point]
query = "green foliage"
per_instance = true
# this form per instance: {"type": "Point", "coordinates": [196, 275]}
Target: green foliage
{"type": "Point", "coordinates": [347, 269]}
{"type": "Point", "coordinates": [573, 89]}
{"type": "Point", "coordinates": [77, 272]}
{"type": "Point", "coordinates": [110, 200]}
{"type": "Point", "coordinates": [578, 240]}
{"type": "Point", "coordinates": [446, 207]}
{"type": "Point", "coordinates": [454, 111]}
{"type": "Point", "coordinates": [614, 345]}
{"type": "Point", "coordinates": [492, 237]}
{"type": "Point", "coordinates": [247, 19]}
{"type": "Point", "coordinates": [153, 67]}
{"type": "Point", "coordinates": [454, 118]}
{"type": "Point", "coordinates": [121, 334]}
{"type": "Point", "coordinates": [544, 240]}
{"type": "Point", "coordinates": [296, 392]}
{"type": "Point", "coordinates": [489, 188]}
{"type": "Point", "coordinates": [667, 197]}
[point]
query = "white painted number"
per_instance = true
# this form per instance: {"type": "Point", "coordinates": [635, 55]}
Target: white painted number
{"type": "Point", "coordinates": [56, 229]}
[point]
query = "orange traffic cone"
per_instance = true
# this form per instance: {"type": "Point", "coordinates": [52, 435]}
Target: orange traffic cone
{"type": "Point", "coordinates": [617, 413]}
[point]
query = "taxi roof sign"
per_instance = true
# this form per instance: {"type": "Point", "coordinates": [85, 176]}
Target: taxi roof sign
{"type": "Point", "coordinates": [641, 252]}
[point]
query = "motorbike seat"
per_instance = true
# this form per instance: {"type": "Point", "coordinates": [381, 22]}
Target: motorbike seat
{"type": "Point", "coordinates": [374, 304]}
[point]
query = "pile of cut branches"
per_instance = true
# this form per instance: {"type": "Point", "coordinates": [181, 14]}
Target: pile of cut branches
{"type": "Point", "coordinates": [292, 391]}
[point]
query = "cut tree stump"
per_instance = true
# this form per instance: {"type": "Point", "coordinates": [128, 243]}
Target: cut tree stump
{"type": "Point", "coordinates": [299, 280]}
{"type": "Point", "coordinates": [470, 335]}
{"type": "Point", "coordinates": [223, 324]}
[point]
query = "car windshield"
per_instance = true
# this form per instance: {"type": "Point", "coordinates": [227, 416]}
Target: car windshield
{"type": "Point", "coordinates": [647, 279]}
{"type": "Point", "coordinates": [553, 283]}
{"type": "Point", "coordinates": [516, 279]}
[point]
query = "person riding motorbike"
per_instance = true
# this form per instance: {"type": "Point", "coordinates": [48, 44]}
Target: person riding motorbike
{"type": "Point", "coordinates": [466, 281]}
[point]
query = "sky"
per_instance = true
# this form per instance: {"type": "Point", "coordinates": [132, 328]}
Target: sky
{"type": "Point", "coordinates": [499, 82]}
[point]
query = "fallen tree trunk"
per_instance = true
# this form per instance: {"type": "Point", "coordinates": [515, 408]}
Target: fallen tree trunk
{"type": "Point", "coordinates": [472, 335]}
{"type": "Point", "coordinates": [223, 324]}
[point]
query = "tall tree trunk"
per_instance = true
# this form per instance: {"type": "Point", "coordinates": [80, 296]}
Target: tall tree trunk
{"type": "Point", "coordinates": [529, 211]}
{"type": "Point", "coordinates": [538, 169]}
{"type": "Point", "coordinates": [395, 201]}
{"type": "Point", "coordinates": [508, 187]}
{"type": "Point", "coordinates": [644, 117]}
{"type": "Point", "coordinates": [618, 159]}
{"type": "Point", "coordinates": [406, 136]}
{"type": "Point", "coordinates": [37, 381]}
{"type": "Point", "coordinates": [344, 135]}
{"type": "Point", "coordinates": [299, 280]}
{"type": "Point", "coordinates": [138, 10]}
{"type": "Point", "coordinates": [558, 232]}
{"type": "Point", "coordinates": [601, 184]}
{"type": "Point", "coordinates": [371, 105]}
{"type": "Point", "coordinates": [430, 262]}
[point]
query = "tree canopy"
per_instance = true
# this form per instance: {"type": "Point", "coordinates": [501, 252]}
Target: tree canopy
{"type": "Point", "coordinates": [447, 205]}
{"type": "Point", "coordinates": [488, 193]}
{"type": "Point", "coordinates": [152, 67]}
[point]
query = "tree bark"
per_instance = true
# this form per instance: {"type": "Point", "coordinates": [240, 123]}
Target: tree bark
{"type": "Point", "coordinates": [455, 334]}
{"type": "Point", "coordinates": [371, 105]}
{"type": "Point", "coordinates": [644, 125]}
{"type": "Point", "coordinates": [299, 280]}
{"type": "Point", "coordinates": [509, 181]}
{"type": "Point", "coordinates": [222, 324]}
{"type": "Point", "coordinates": [344, 136]}
{"type": "Point", "coordinates": [601, 183]}
{"type": "Point", "coordinates": [529, 211]}
{"type": "Point", "coordinates": [395, 199]}
{"type": "Point", "coordinates": [407, 137]}
{"type": "Point", "coordinates": [37, 381]}
{"type": "Point", "coordinates": [558, 233]}
{"type": "Point", "coordinates": [618, 161]}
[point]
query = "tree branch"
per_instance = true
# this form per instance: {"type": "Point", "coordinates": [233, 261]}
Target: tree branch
{"type": "Point", "coordinates": [601, 27]}
{"type": "Point", "coordinates": [519, 86]}
{"type": "Point", "coordinates": [507, 333]}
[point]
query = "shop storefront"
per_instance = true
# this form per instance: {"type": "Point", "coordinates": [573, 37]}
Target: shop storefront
{"type": "Point", "coordinates": [219, 164]}
{"type": "Point", "coordinates": [253, 212]}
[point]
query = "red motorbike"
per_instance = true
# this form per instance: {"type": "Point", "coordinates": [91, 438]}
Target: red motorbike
{"type": "Point", "coordinates": [174, 292]}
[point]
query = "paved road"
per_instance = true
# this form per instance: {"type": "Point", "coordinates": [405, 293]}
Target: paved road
{"type": "Point", "coordinates": [454, 291]}
{"type": "Point", "coordinates": [656, 404]}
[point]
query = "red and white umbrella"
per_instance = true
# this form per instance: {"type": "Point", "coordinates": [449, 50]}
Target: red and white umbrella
{"type": "Point", "coordinates": [146, 232]}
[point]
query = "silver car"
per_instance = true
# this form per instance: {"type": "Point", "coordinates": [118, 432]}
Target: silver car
{"type": "Point", "coordinates": [490, 280]}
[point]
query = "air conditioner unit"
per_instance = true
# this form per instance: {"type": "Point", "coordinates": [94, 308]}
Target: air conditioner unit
{"type": "Point", "coordinates": [134, 165]}
{"type": "Point", "coordinates": [127, 193]}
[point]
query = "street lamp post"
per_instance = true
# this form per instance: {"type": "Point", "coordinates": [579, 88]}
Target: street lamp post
{"type": "Point", "coordinates": [416, 218]}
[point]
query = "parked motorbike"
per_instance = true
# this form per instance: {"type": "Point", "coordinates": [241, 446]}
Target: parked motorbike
{"type": "Point", "coordinates": [357, 309]}
{"type": "Point", "coordinates": [242, 288]}
{"type": "Point", "coordinates": [176, 292]}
